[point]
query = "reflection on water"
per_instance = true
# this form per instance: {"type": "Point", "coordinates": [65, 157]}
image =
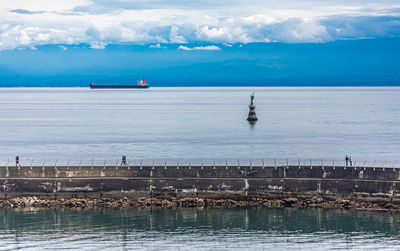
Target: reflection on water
{"type": "Point", "coordinates": [252, 123]}
{"type": "Point", "coordinates": [198, 228]}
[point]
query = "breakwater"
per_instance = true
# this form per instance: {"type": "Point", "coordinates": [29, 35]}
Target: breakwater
{"type": "Point", "coordinates": [289, 183]}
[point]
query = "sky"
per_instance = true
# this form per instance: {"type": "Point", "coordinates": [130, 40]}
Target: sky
{"type": "Point", "coordinates": [204, 42]}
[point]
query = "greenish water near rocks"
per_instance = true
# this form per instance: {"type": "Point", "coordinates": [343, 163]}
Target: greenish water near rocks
{"type": "Point", "coordinates": [205, 229]}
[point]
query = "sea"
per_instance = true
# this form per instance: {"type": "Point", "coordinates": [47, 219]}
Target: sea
{"type": "Point", "coordinates": [50, 124]}
{"type": "Point", "coordinates": [198, 229]}
{"type": "Point", "coordinates": [192, 123]}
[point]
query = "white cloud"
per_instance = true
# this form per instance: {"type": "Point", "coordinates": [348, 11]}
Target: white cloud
{"type": "Point", "coordinates": [43, 5]}
{"type": "Point", "coordinates": [215, 34]}
{"type": "Point", "coordinates": [303, 30]}
{"type": "Point", "coordinates": [99, 22]}
{"type": "Point", "coordinates": [156, 46]}
{"type": "Point", "coordinates": [174, 36]}
{"type": "Point", "coordinates": [98, 45]}
{"type": "Point", "coordinates": [199, 48]}
{"type": "Point", "coordinates": [62, 47]}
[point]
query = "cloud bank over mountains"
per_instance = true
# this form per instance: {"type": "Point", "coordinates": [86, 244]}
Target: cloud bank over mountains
{"type": "Point", "coordinates": [199, 48]}
{"type": "Point", "coordinates": [26, 24]}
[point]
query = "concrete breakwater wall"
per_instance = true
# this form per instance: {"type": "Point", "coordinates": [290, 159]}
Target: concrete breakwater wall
{"type": "Point", "coordinates": [361, 183]}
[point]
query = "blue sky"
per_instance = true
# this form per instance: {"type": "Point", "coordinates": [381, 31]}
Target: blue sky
{"type": "Point", "coordinates": [70, 43]}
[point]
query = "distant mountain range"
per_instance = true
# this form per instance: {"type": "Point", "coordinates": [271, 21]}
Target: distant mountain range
{"type": "Point", "coordinates": [344, 62]}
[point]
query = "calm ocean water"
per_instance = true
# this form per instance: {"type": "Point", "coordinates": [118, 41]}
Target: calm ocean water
{"type": "Point", "coordinates": [199, 229]}
{"type": "Point", "coordinates": [304, 122]}
{"type": "Point", "coordinates": [310, 122]}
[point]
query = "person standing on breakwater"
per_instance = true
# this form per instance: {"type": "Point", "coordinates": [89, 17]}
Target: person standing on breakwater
{"type": "Point", "coordinates": [347, 160]}
{"type": "Point", "coordinates": [17, 161]}
{"type": "Point", "coordinates": [123, 162]}
{"type": "Point", "coordinates": [351, 161]}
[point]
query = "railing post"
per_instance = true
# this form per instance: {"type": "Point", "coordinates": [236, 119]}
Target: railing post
{"type": "Point", "coordinates": [153, 163]}
{"type": "Point", "coordinates": [55, 164]}
{"type": "Point", "coordinates": [80, 163]}
{"type": "Point", "coordinates": [141, 163]}
{"type": "Point", "coordinates": [214, 163]}
{"type": "Point", "coordinates": [67, 163]}
{"type": "Point", "coordinates": [238, 162]}
{"type": "Point", "coordinates": [287, 163]}
{"type": "Point", "coordinates": [31, 163]}
{"type": "Point", "coordinates": [43, 163]}
{"type": "Point", "coordinates": [298, 162]}
{"type": "Point", "coordinates": [310, 163]}
{"type": "Point", "coordinates": [104, 164]}
{"type": "Point", "coordinates": [262, 160]}
{"type": "Point", "coordinates": [275, 162]}
{"type": "Point", "coordinates": [333, 163]}
{"type": "Point", "coordinates": [92, 163]}
{"type": "Point", "coordinates": [251, 163]}
{"type": "Point", "coordinates": [7, 163]}
{"type": "Point", "coordinates": [322, 162]}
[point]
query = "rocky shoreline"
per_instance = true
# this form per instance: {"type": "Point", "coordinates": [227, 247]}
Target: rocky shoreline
{"type": "Point", "coordinates": [172, 202]}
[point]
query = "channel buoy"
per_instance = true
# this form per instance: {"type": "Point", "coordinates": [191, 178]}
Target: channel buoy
{"type": "Point", "coordinates": [252, 113]}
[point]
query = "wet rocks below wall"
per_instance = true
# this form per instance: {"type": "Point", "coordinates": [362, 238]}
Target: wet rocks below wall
{"type": "Point", "coordinates": [172, 202]}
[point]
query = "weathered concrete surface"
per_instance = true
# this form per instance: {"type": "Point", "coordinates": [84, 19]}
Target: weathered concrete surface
{"type": "Point", "coordinates": [361, 183]}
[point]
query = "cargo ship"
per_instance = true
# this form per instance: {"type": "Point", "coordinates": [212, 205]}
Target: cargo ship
{"type": "Point", "coordinates": [140, 84]}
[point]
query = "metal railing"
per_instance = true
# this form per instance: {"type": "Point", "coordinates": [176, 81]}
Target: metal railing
{"type": "Point", "coordinates": [226, 162]}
